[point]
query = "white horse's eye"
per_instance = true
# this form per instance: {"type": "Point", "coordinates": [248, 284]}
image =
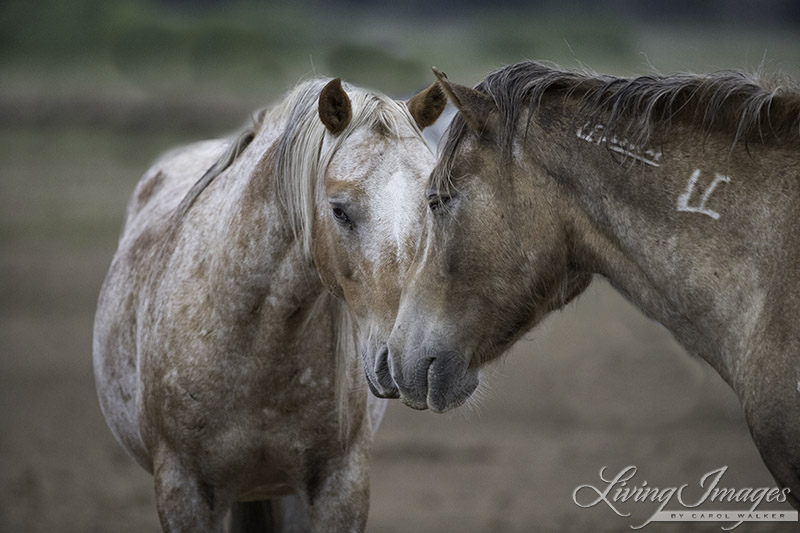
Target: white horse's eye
{"type": "Point", "coordinates": [340, 215]}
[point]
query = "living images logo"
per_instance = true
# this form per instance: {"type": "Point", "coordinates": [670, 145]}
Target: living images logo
{"type": "Point", "coordinates": [674, 504]}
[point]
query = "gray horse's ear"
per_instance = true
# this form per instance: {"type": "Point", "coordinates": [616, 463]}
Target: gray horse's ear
{"type": "Point", "coordinates": [335, 110]}
{"type": "Point", "coordinates": [427, 105]}
{"type": "Point", "coordinates": [477, 108]}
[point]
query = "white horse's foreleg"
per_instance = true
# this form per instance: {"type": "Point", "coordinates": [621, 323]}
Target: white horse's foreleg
{"type": "Point", "coordinates": [185, 502]}
{"type": "Point", "coordinates": [338, 493]}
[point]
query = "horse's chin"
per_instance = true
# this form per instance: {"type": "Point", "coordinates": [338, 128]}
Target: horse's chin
{"type": "Point", "coordinates": [445, 397]}
{"type": "Point", "coordinates": [440, 402]}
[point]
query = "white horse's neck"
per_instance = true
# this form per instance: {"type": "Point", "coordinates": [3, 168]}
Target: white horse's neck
{"type": "Point", "coordinates": [253, 259]}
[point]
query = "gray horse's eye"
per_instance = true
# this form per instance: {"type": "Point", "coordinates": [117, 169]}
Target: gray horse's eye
{"type": "Point", "coordinates": [437, 202]}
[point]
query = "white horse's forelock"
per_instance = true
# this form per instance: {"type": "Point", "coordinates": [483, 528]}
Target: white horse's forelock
{"type": "Point", "coordinates": [303, 156]}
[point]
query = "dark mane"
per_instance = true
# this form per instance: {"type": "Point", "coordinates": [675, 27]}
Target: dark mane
{"type": "Point", "coordinates": [747, 106]}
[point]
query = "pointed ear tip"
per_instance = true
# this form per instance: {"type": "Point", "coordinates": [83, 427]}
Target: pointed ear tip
{"type": "Point", "coordinates": [334, 107]}
{"type": "Point", "coordinates": [334, 84]}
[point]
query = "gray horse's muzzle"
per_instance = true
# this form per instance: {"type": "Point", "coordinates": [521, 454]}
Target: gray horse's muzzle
{"type": "Point", "coordinates": [439, 381]}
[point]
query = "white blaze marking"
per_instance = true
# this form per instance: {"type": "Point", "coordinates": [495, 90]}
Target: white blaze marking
{"type": "Point", "coordinates": [390, 178]}
{"type": "Point", "coordinates": [647, 156]}
{"type": "Point", "coordinates": [399, 207]}
{"type": "Point", "coordinates": [683, 199]}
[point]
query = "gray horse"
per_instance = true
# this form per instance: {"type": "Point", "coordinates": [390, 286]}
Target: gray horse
{"type": "Point", "coordinates": [683, 191]}
{"type": "Point", "coordinates": [225, 356]}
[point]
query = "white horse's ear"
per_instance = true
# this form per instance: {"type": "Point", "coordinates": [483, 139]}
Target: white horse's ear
{"type": "Point", "coordinates": [427, 105]}
{"type": "Point", "coordinates": [335, 110]}
{"type": "Point", "coordinates": [477, 108]}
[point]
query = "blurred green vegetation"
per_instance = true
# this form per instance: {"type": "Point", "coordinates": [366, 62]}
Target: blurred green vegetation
{"type": "Point", "coordinates": [54, 30]}
{"type": "Point", "coordinates": [253, 50]}
{"type": "Point", "coordinates": [150, 43]}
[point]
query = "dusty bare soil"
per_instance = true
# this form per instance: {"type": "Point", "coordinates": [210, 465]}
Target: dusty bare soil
{"type": "Point", "coordinates": [597, 385]}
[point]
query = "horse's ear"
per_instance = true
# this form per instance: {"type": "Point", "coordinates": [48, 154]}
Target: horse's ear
{"type": "Point", "coordinates": [335, 110]}
{"type": "Point", "coordinates": [476, 107]}
{"type": "Point", "coordinates": [427, 105]}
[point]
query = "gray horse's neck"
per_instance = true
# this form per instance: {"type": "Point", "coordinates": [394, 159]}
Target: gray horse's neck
{"type": "Point", "coordinates": [690, 230]}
